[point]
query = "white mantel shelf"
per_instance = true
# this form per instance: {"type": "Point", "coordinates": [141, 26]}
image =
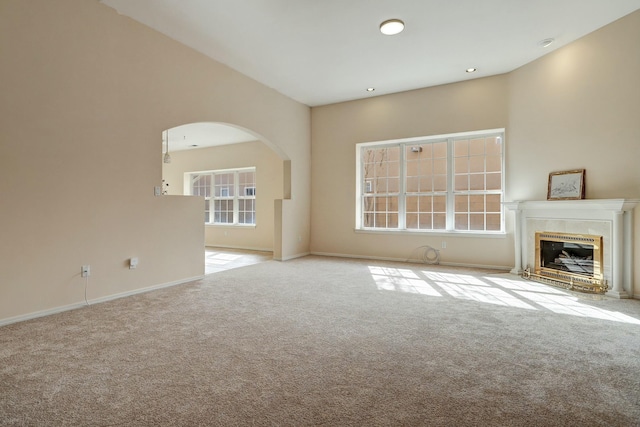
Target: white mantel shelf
{"type": "Point", "coordinates": [616, 212]}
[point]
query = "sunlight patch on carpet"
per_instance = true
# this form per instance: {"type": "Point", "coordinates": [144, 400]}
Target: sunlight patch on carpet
{"type": "Point", "coordinates": [490, 290]}
{"type": "Point", "coordinates": [402, 280]}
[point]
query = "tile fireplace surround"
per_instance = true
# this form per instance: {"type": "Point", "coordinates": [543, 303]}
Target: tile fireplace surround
{"type": "Point", "coordinates": [610, 218]}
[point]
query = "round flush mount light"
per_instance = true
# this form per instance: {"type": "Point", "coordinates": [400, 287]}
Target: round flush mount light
{"type": "Point", "coordinates": [546, 42]}
{"type": "Point", "coordinates": [471, 70]}
{"type": "Point", "coordinates": [391, 27]}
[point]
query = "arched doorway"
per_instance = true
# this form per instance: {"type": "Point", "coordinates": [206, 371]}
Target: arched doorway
{"type": "Point", "coordinates": [240, 175]}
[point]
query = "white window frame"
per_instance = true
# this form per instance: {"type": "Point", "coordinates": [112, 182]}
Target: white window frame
{"type": "Point", "coordinates": [188, 189]}
{"type": "Point", "coordinates": [450, 210]}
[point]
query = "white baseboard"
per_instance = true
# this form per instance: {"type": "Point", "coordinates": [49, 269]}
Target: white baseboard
{"type": "Point", "coordinates": [56, 310]}
{"type": "Point", "coordinates": [416, 261]}
{"type": "Point", "coordinates": [242, 248]}
{"type": "Point", "coordinates": [290, 257]}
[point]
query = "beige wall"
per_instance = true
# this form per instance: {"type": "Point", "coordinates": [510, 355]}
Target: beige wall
{"type": "Point", "coordinates": [86, 94]}
{"type": "Point", "coordinates": [336, 129]}
{"type": "Point", "coordinates": [578, 107]}
{"type": "Point", "coordinates": [269, 182]}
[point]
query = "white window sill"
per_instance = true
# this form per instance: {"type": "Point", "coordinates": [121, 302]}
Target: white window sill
{"type": "Point", "coordinates": [448, 233]}
{"type": "Point", "coordinates": [214, 225]}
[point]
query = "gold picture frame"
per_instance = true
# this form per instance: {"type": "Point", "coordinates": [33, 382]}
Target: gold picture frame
{"type": "Point", "coordinates": [566, 185]}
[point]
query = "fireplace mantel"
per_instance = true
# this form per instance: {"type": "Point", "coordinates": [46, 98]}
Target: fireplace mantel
{"type": "Point", "coordinates": [615, 214]}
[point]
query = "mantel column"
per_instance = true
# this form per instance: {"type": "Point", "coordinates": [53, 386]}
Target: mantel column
{"type": "Point", "coordinates": [617, 257]}
{"type": "Point", "coordinates": [517, 237]}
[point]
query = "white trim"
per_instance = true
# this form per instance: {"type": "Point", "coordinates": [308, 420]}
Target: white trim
{"type": "Point", "coordinates": [416, 261]}
{"type": "Point", "coordinates": [212, 247]}
{"type": "Point", "coordinates": [432, 137]}
{"type": "Point", "coordinates": [450, 140]}
{"type": "Point", "coordinates": [61, 309]}
{"type": "Point", "coordinates": [290, 257]}
{"type": "Point", "coordinates": [223, 225]}
{"type": "Point", "coordinates": [434, 233]}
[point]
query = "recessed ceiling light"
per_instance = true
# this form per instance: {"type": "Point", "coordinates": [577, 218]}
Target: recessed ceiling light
{"type": "Point", "coordinates": [391, 27]}
{"type": "Point", "coordinates": [546, 42]}
{"type": "Point", "coordinates": [471, 70]}
{"type": "Point", "coordinates": [371, 89]}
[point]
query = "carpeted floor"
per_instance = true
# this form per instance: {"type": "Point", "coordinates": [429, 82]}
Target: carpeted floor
{"type": "Point", "coordinates": [321, 341]}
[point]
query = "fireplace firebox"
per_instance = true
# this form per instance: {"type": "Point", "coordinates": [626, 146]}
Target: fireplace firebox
{"type": "Point", "coordinates": [571, 261]}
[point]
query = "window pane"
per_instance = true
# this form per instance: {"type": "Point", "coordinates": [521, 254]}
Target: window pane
{"type": "Point", "coordinates": [201, 185]}
{"type": "Point", "coordinates": [476, 181]}
{"type": "Point", "coordinates": [461, 221]}
{"type": "Point", "coordinates": [440, 149]}
{"type": "Point", "coordinates": [461, 183]}
{"type": "Point", "coordinates": [383, 166]}
{"type": "Point", "coordinates": [493, 222]}
{"type": "Point", "coordinates": [426, 222]}
{"type": "Point", "coordinates": [493, 203]}
{"type": "Point", "coordinates": [413, 184]}
{"type": "Point", "coordinates": [494, 163]}
{"type": "Point", "coordinates": [440, 166]}
{"type": "Point", "coordinates": [439, 204]}
{"type": "Point", "coordinates": [246, 183]}
{"type": "Point", "coordinates": [494, 181]}
{"type": "Point", "coordinates": [224, 185]}
{"type": "Point", "coordinates": [412, 221]}
{"type": "Point", "coordinates": [393, 220]}
{"type": "Point", "coordinates": [494, 146]}
{"type": "Point", "coordinates": [461, 165]}
{"type": "Point", "coordinates": [380, 212]}
{"type": "Point", "coordinates": [393, 186]}
{"type": "Point", "coordinates": [476, 164]}
{"type": "Point", "coordinates": [476, 203]}
{"type": "Point", "coordinates": [439, 183]}
{"type": "Point", "coordinates": [476, 147]}
{"type": "Point", "coordinates": [476, 222]}
{"type": "Point", "coordinates": [461, 148]}
{"type": "Point", "coordinates": [412, 204]}
{"type": "Point", "coordinates": [462, 203]}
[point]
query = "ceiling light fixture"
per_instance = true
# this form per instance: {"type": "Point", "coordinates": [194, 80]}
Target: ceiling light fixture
{"type": "Point", "coordinates": [546, 42]}
{"type": "Point", "coordinates": [371, 89]}
{"type": "Point", "coordinates": [167, 157]}
{"type": "Point", "coordinates": [391, 27]}
{"type": "Point", "coordinates": [471, 70]}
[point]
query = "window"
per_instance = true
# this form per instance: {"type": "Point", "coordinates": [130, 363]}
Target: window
{"type": "Point", "coordinates": [445, 183]}
{"type": "Point", "coordinates": [229, 195]}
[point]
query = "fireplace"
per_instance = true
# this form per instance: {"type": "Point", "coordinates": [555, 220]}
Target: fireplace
{"type": "Point", "coordinates": [610, 218]}
{"type": "Point", "coordinates": [572, 261]}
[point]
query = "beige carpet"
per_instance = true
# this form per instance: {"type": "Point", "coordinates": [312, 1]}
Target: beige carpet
{"type": "Point", "coordinates": [329, 342]}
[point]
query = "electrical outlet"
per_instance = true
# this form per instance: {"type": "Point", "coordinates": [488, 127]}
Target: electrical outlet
{"type": "Point", "coordinates": [157, 191]}
{"type": "Point", "coordinates": [85, 271]}
{"type": "Point", "coordinates": [444, 245]}
{"type": "Point", "coordinates": [133, 263]}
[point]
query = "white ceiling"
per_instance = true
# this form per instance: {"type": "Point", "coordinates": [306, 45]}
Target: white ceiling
{"type": "Point", "coordinates": [201, 135]}
{"type": "Point", "coordinates": [326, 51]}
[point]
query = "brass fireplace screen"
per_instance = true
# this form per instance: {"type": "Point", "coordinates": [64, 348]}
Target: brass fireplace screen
{"type": "Point", "coordinates": [571, 261]}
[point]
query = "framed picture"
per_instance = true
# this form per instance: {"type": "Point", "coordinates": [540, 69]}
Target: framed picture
{"type": "Point", "coordinates": [567, 185]}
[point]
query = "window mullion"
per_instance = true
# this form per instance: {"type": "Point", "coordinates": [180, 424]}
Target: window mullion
{"type": "Point", "coordinates": [450, 184]}
{"type": "Point", "coordinates": [402, 211]}
{"type": "Point", "coordinates": [236, 188]}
